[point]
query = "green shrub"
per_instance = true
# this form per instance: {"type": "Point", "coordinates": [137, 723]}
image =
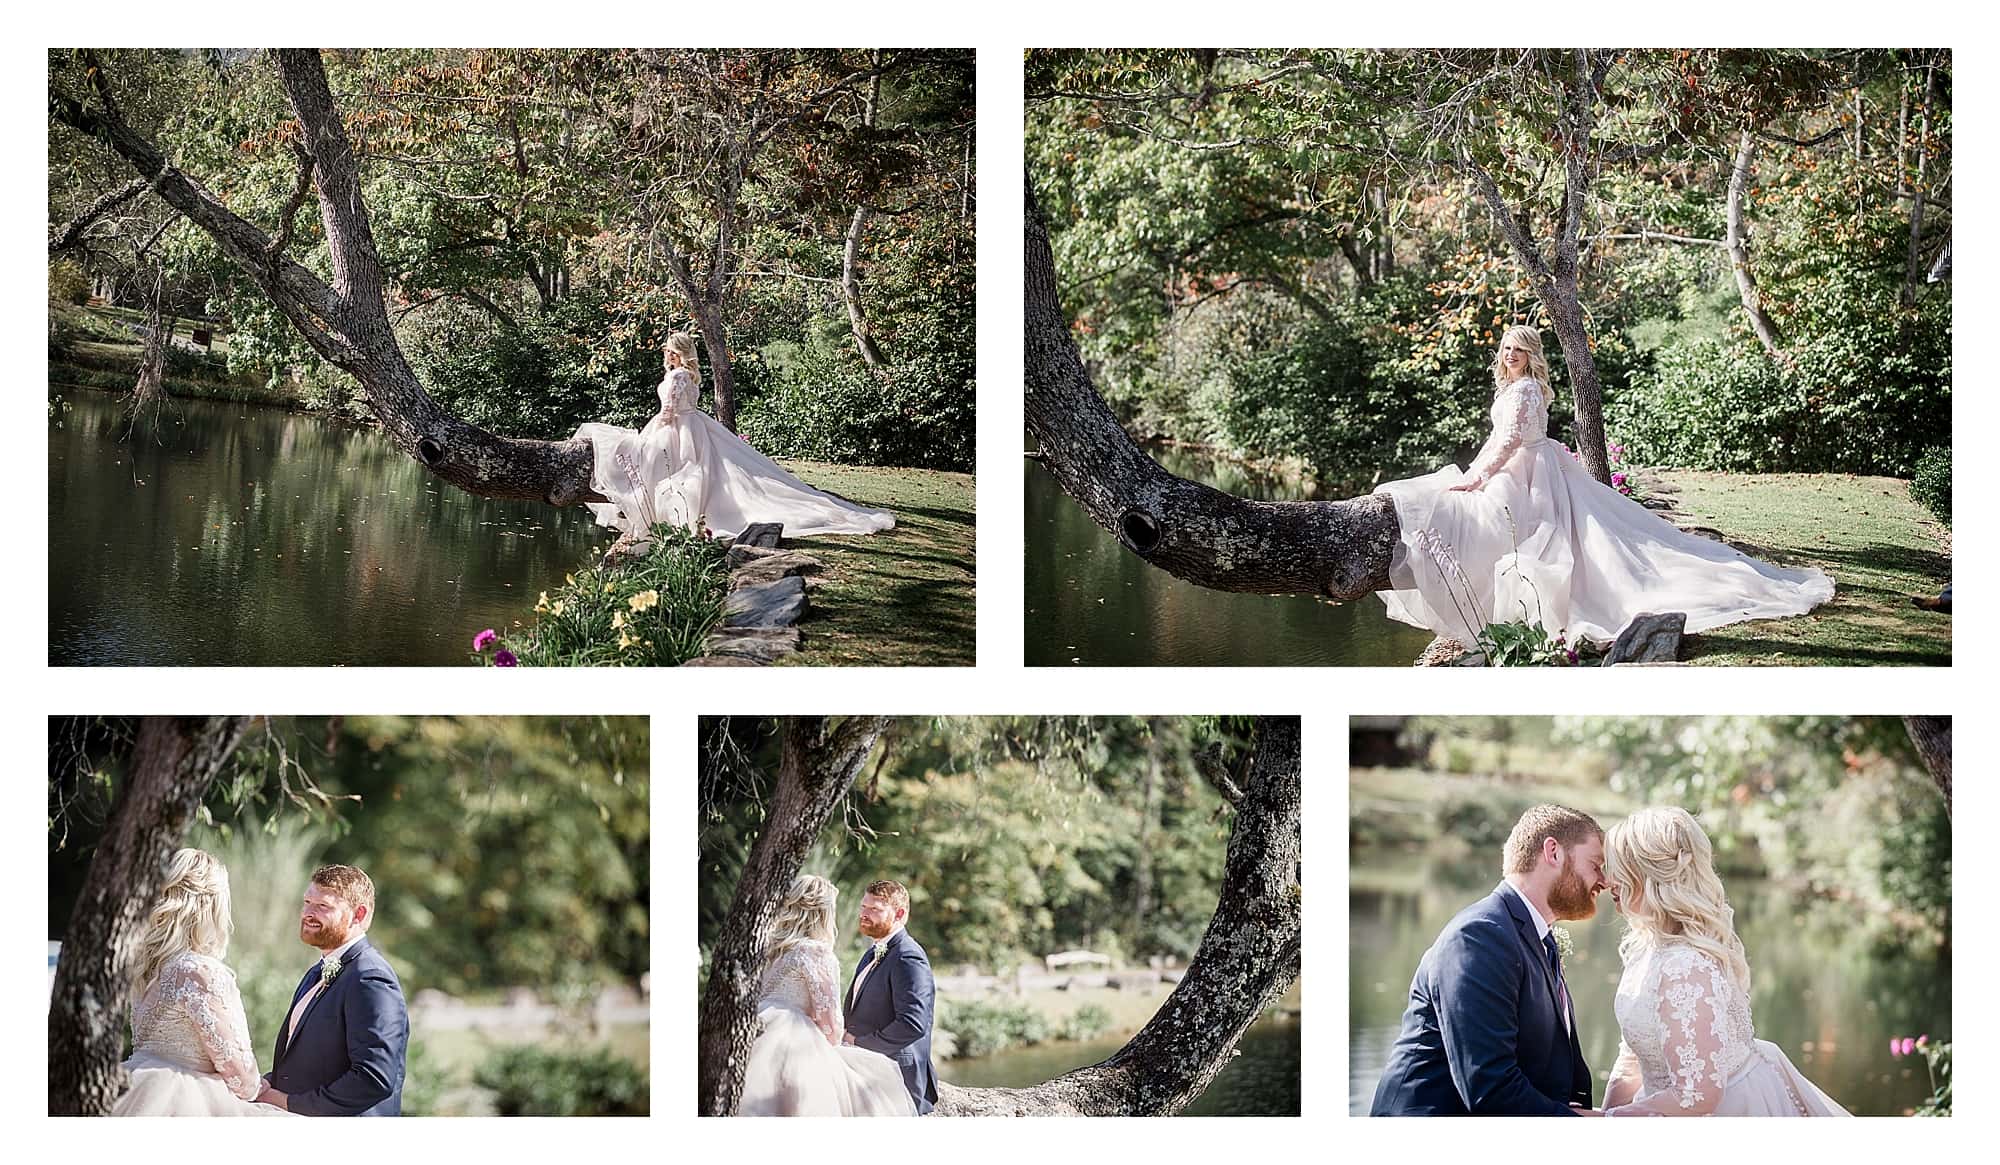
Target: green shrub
{"type": "Point", "coordinates": [1085, 1023]}
{"type": "Point", "coordinates": [982, 1028]}
{"type": "Point", "coordinates": [1710, 405]}
{"type": "Point", "coordinates": [1931, 484]}
{"type": "Point", "coordinates": [531, 1081]}
{"type": "Point", "coordinates": [652, 612]}
{"type": "Point", "coordinates": [823, 404]}
{"type": "Point", "coordinates": [68, 283]}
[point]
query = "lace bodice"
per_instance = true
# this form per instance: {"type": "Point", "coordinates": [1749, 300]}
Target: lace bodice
{"type": "Point", "coordinates": [1520, 415]}
{"type": "Point", "coordinates": [805, 977]}
{"type": "Point", "coordinates": [192, 1015]}
{"type": "Point", "coordinates": [680, 393]}
{"type": "Point", "coordinates": [1687, 1024]}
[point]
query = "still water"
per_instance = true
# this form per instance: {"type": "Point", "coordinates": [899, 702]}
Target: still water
{"type": "Point", "coordinates": [1829, 992]}
{"type": "Point", "coordinates": [1263, 1080]}
{"type": "Point", "coordinates": [1091, 602]}
{"type": "Point", "coordinates": [233, 534]}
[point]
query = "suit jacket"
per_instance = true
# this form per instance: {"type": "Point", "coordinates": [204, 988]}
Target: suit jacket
{"type": "Point", "coordinates": [1483, 1033]}
{"type": "Point", "coordinates": [892, 1014]}
{"type": "Point", "coordinates": [347, 1056]}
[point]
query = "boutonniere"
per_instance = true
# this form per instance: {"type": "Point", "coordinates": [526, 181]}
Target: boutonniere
{"type": "Point", "coordinates": [329, 970]}
{"type": "Point", "coordinates": [1565, 945]}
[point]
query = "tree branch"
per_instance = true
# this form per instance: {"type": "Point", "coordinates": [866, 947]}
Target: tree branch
{"type": "Point", "coordinates": [71, 233]}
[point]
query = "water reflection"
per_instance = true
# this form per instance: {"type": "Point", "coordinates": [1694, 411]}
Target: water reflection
{"type": "Point", "coordinates": [1263, 1080]}
{"type": "Point", "coordinates": [1091, 602]}
{"type": "Point", "coordinates": [1827, 987]}
{"type": "Point", "coordinates": [236, 534]}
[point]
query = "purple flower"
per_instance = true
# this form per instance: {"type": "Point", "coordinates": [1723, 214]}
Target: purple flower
{"type": "Point", "coordinates": [1617, 479]}
{"type": "Point", "coordinates": [1572, 656]}
{"type": "Point", "coordinates": [505, 658]}
{"type": "Point", "coordinates": [484, 639]}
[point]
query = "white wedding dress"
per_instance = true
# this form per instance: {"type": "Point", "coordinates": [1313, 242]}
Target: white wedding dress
{"type": "Point", "coordinates": [191, 1046]}
{"type": "Point", "coordinates": [685, 468]}
{"type": "Point", "coordinates": [1546, 543]}
{"type": "Point", "coordinates": [798, 1066]}
{"type": "Point", "coordinates": [1686, 1033]}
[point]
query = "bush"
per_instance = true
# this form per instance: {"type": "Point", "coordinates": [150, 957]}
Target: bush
{"type": "Point", "coordinates": [1931, 484]}
{"type": "Point", "coordinates": [1085, 1023]}
{"type": "Point", "coordinates": [981, 1028]}
{"type": "Point", "coordinates": [653, 612]}
{"type": "Point", "coordinates": [532, 1081]}
{"type": "Point", "coordinates": [68, 283]}
{"type": "Point", "coordinates": [824, 404]}
{"type": "Point", "coordinates": [1710, 405]}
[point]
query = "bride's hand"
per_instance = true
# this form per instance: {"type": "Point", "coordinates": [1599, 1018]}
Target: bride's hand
{"type": "Point", "coordinates": [1469, 485]}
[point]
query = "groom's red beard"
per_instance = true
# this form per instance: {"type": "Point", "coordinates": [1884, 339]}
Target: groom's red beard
{"type": "Point", "coordinates": [1571, 897]}
{"type": "Point", "coordinates": [325, 936]}
{"type": "Point", "coordinates": [876, 931]}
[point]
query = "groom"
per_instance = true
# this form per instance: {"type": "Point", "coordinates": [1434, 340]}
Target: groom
{"type": "Point", "coordinates": [890, 1001]}
{"type": "Point", "coordinates": [1489, 1029]}
{"type": "Point", "coordinates": [342, 1046]}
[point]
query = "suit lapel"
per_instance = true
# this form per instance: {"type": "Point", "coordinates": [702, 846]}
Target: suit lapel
{"type": "Point", "coordinates": [888, 949]}
{"type": "Point", "coordinates": [1524, 925]}
{"type": "Point", "coordinates": [305, 1016]}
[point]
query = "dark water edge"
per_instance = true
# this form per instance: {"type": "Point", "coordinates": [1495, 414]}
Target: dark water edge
{"type": "Point", "coordinates": [238, 534]}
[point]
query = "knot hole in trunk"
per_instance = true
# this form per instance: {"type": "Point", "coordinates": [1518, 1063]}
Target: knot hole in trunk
{"type": "Point", "coordinates": [429, 452]}
{"type": "Point", "coordinates": [1140, 530]}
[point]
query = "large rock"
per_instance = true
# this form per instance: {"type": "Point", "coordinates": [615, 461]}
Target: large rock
{"type": "Point", "coordinates": [773, 604]}
{"type": "Point", "coordinates": [763, 535]}
{"type": "Point", "coordinates": [757, 644]}
{"type": "Point", "coordinates": [721, 661]}
{"type": "Point", "coordinates": [772, 567]}
{"type": "Point", "coordinates": [1649, 638]}
{"type": "Point", "coordinates": [1445, 652]}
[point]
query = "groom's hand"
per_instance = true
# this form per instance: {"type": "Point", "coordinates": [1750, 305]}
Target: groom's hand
{"type": "Point", "coordinates": [1580, 1110]}
{"type": "Point", "coordinates": [272, 1096]}
{"type": "Point", "coordinates": [848, 1039]}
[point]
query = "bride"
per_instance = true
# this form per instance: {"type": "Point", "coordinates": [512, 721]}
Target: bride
{"type": "Point", "coordinates": [685, 469]}
{"type": "Point", "coordinates": [1527, 534]}
{"type": "Point", "coordinates": [798, 1066]}
{"type": "Point", "coordinates": [190, 1043]}
{"type": "Point", "coordinates": [1683, 1004]}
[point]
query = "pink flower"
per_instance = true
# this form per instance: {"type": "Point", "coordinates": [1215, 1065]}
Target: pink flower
{"type": "Point", "coordinates": [1895, 1046]}
{"type": "Point", "coordinates": [505, 658]}
{"type": "Point", "coordinates": [1909, 1045]}
{"type": "Point", "coordinates": [1923, 1041]}
{"type": "Point", "coordinates": [1572, 656]}
{"type": "Point", "coordinates": [1618, 479]}
{"type": "Point", "coordinates": [485, 638]}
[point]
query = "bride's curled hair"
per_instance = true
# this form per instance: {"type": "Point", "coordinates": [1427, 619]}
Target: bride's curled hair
{"type": "Point", "coordinates": [1530, 340]}
{"type": "Point", "coordinates": [1663, 868]}
{"type": "Point", "coordinates": [682, 344]}
{"type": "Point", "coordinates": [805, 914]}
{"type": "Point", "coordinates": [192, 914]}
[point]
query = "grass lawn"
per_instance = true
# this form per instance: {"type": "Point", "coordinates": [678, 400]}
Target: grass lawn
{"type": "Point", "coordinates": [1881, 548]}
{"type": "Point", "coordinates": [903, 598]}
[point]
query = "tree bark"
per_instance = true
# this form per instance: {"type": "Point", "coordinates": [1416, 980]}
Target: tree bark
{"type": "Point", "coordinates": [347, 323]}
{"type": "Point", "coordinates": [1336, 550]}
{"type": "Point", "coordinates": [151, 385]}
{"type": "Point", "coordinates": [1248, 957]}
{"type": "Point", "coordinates": [174, 760]}
{"type": "Point", "coordinates": [1932, 737]}
{"type": "Point", "coordinates": [819, 763]}
{"type": "Point", "coordinates": [1739, 250]}
{"type": "Point", "coordinates": [71, 234]}
{"type": "Point", "coordinates": [1913, 271]}
{"type": "Point", "coordinates": [850, 290]}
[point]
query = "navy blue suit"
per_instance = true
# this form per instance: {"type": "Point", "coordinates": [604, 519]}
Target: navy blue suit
{"type": "Point", "coordinates": [1483, 1033]}
{"type": "Point", "coordinates": [346, 1058]}
{"type": "Point", "coordinates": [892, 1015]}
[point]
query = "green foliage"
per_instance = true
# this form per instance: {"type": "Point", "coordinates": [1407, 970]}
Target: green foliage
{"type": "Point", "coordinates": [1930, 485]}
{"type": "Point", "coordinates": [68, 282]}
{"type": "Point", "coordinates": [826, 405]}
{"type": "Point", "coordinates": [980, 1028]}
{"type": "Point", "coordinates": [1937, 1058]}
{"type": "Point", "coordinates": [1523, 644]}
{"type": "Point", "coordinates": [1085, 1023]}
{"type": "Point", "coordinates": [532, 1081]}
{"type": "Point", "coordinates": [655, 611]}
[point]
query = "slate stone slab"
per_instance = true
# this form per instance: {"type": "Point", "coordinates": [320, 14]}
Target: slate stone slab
{"type": "Point", "coordinates": [721, 661]}
{"type": "Point", "coordinates": [759, 644]}
{"type": "Point", "coordinates": [763, 535]}
{"type": "Point", "coordinates": [772, 567]}
{"type": "Point", "coordinates": [772, 604]}
{"type": "Point", "coordinates": [1649, 638]}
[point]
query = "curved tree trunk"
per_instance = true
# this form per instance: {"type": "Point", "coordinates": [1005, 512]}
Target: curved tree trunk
{"type": "Point", "coordinates": [850, 290]}
{"type": "Point", "coordinates": [173, 762]}
{"type": "Point", "coordinates": [1737, 241]}
{"type": "Point", "coordinates": [1249, 956]}
{"type": "Point", "coordinates": [348, 322]}
{"type": "Point", "coordinates": [819, 764]}
{"type": "Point", "coordinates": [1932, 736]}
{"type": "Point", "coordinates": [1334, 550]}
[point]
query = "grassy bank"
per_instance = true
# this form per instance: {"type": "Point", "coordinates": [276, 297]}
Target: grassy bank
{"type": "Point", "coordinates": [96, 348]}
{"type": "Point", "coordinates": [903, 598]}
{"type": "Point", "coordinates": [1881, 548]}
{"type": "Point", "coordinates": [994, 1023]}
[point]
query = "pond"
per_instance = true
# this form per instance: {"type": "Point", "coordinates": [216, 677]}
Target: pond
{"type": "Point", "coordinates": [1263, 1080]}
{"type": "Point", "coordinates": [228, 534]}
{"type": "Point", "coordinates": [1827, 988]}
{"type": "Point", "coordinates": [1091, 602]}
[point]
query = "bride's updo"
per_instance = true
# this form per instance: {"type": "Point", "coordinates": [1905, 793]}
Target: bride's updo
{"type": "Point", "coordinates": [191, 915]}
{"type": "Point", "coordinates": [682, 344]}
{"type": "Point", "coordinates": [805, 914]}
{"type": "Point", "coordinates": [1523, 336]}
{"type": "Point", "coordinates": [1663, 868]}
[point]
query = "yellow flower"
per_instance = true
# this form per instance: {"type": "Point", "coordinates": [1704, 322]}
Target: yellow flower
{"type": "Point", "coordinates": [625, 641]}
{"type": "Point", "coordinates": [618, 620]}
{"type": "Point", "coordinates": [556, 608]}
{"type": "Point", "coordinates": [644, 601]}
{"type": "Point", "coordinates": [609, 587]}
{"type": "Point", "coordinates": [569, 580]}
{"type": "Point", "coordinates": [542, 604]}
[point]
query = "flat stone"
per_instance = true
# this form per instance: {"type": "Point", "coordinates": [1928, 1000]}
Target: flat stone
{"type": "Point", "coordinates": [1443, 652]}
{"type": "Point", "coordinates": [772, 567]}
{"type": "Point", "coordinates": [772, 604]}
{"type": "Point", "coordinates": [720, 661]}
{"type": "Point", "coordinates": [761, 534]}
{"type": "Point", "coordinates": [743, 555]}
{"type": "Point", "coordinates": [758, 644]}
{"type": "Point", "coordinates": [1648, 638]}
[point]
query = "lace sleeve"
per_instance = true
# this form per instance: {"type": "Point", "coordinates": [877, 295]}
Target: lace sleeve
{"type": "Point", "coordinates": [1623, 1082]}
{"type": "Point", "coordinates": [1700, 1050]}
{"type": "Point", "coordinates": [1518, 402]}
{"type": "Point", "coordinates": [207, 992]}
{"type": "Point", "coordinates": [680, 393]}
{"type": "Point", "coordinates": [822, 973]}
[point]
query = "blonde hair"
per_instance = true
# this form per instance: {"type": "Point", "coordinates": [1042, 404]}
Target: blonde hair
{"type": "Point", "coordinates": [1570, 827]}
{"type": "Point", "coordinates": [805, 915]}
{"type": "Point", "coordinates": [1529, 338]}
{"type": "Point", "coordinates": [191, 915]}
{"type": "Point", "coordinates": [1662, 854]}
{"type": "Point", "coordinates": [682, 344]}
